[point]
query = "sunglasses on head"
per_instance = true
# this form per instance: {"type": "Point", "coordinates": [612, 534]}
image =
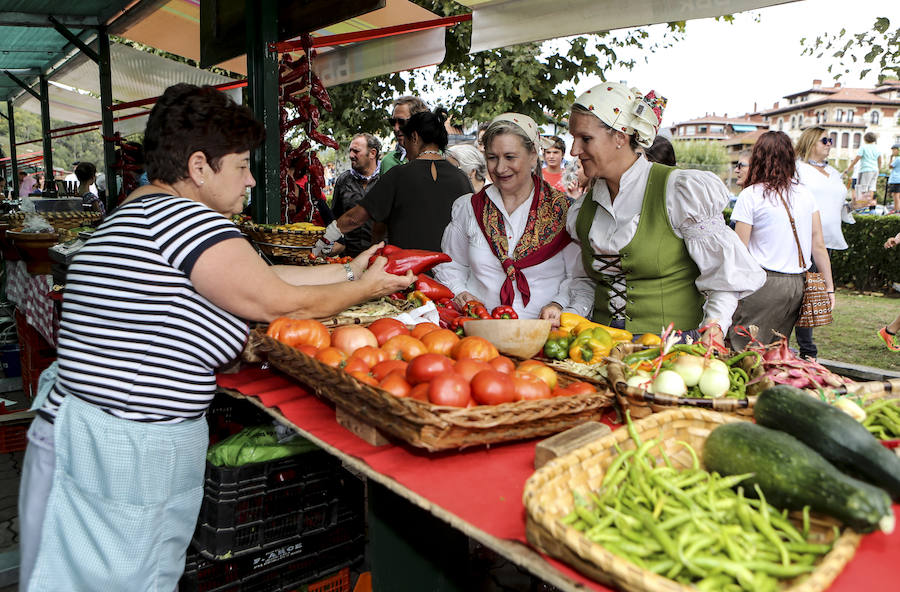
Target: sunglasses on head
{"type": "Point", "coordinates": [827, 141]}
{"type": "Point", "coordinates": [392, 121]}
{"type": "Point", "coordinates": [741, 165]}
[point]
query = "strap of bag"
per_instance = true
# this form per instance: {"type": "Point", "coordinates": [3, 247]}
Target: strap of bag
{"type": "Point", "coordinates": [800, 259]}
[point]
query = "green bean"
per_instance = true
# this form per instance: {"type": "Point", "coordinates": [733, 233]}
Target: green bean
{"type": "Point", "coordinates": [741, 356]}
{"type": "Point", "coordinates": [693, 453]}
{"type": "Point", "coordinates": [632, 432]}
{"type": "Point", "coordinates": [569, 518]}
{"type": "Point", "coordinates": [805, 522]}
{"type": "Point", "coordinates": [660, 566]}
{"type": "Point", "coordinates": [587, 516]}
{"type": "Point", "coordinates": [762, 523]}
{"type": "Point", "coordinates": [615, 466]}
{"type": "Point", "coordinates": [579, 525]}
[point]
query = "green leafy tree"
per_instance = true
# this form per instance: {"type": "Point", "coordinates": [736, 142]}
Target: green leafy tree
{"type": "Point", "coordinates": [879, 46]}
{"type": "Point", "coordinates": [87, 146]}
{"type": "Point", "coordinates": [707, 155]}
{"type": "Point", "coordinates": [477, 87]}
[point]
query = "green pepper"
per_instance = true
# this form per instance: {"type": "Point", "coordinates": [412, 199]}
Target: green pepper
{"type": "Point", "coordinates": [641, 356]}
{"type": "Point", "coordinates": [591, 346]}
{"type": "Point", "coordinates": [557, 345]}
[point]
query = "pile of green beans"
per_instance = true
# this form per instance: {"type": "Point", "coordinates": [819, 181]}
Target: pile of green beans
{"type": "Point", "coordinates": [883, 419]}
{"type": "Point", "coordinates": [692, 526]}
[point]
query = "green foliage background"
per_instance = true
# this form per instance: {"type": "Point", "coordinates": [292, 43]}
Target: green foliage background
{"type": "Point", "coordinates": [80, 147]}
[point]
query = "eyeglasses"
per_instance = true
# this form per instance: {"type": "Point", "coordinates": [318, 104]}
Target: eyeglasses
{"type": "Point", "coordinates": [827, 141]}
{"type": "Point", "coordinates": [392, 121]}
{"type": "Point", "coordinates": [741, 165]}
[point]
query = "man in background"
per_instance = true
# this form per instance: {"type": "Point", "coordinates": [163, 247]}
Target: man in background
{"type": "Point", "coordinates": [352, 185]}
{"type": "Point", "coordinates": [26, 184]}
{"type": "Point", "coordinates": [403, 109]}
{"type": "Point", "coordinates": [553, 160]}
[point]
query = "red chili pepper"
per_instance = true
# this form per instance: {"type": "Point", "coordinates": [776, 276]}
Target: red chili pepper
{"type": "Point", "coordinates": [445, 303]}
{"type": "Point", "coordinates": [447, 315]}
{"type": "Point", "coordinates": [504, 312]}
{"type": "Point", "coordinates": [416, 260]}
{"type": "Point", "coordinates": [317, 89]}
{"type": "Point", "coordinates": [456, 325]}
{"type": "Point", "coordinates": [476, 310]}
{"type": "Point", "coordinates": [432, 288]}
{"type": "Point", "coordinates": [294, 71]}
{"type": "Point", "coordinates": [324, 140]}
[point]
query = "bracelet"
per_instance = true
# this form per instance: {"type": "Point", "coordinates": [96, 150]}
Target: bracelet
{"type": "Point", "coordinates": [350, 275]}
{"type": "Point", "coordinates": [829, 292]}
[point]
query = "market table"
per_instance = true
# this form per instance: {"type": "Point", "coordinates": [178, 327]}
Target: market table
{"type": "Point", "coordinates": [478, 492]}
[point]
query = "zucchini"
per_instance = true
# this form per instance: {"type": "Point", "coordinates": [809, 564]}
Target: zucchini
{"type": "Point", "coordinates": [792, 475]}
{"type": "Point", "coordinates": [842, 440]}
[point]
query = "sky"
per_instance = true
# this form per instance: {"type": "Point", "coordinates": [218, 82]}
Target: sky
{"type": "Point", "coordinates": [726, 68]}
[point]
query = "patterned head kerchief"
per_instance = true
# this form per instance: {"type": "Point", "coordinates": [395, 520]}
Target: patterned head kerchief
{"type": "Point", "coordinates": [528, 126]}
{"type": "Point", "coordinates": [625, 110]}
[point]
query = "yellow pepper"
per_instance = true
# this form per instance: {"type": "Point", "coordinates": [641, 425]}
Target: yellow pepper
{"type": "Point", "coordinates": [591, 346]}
{"type": "Point", "coordinates": [569, 320]}
{"type": "Point", "coordinates": [648, 339]}
{"type": "Point", "coordinates": [574, 323]}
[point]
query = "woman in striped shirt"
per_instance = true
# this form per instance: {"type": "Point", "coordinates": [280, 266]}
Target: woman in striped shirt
{"type": "Point", "coordinates": [155, 301]}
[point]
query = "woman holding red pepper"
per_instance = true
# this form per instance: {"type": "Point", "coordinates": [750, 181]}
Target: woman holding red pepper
{"type": "Point", "coordinates": [508, 242]}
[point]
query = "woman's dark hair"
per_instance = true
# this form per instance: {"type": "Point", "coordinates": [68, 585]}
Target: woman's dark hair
{"type": "Point", "coordinates": [429, 126]}
{"type": "Point", "coordinates": [85, 171]}
{"type": "Point", "coordinates": [661, 151]}
{"type": "Point", "coordinates": [188, 119]}
{"type": "Point", "coordinates": [772, 164]}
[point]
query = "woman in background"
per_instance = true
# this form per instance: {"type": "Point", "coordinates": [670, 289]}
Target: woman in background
{"type": "Point", "coordinates": [469, 160]}
{"type": "Point", "coordinates": [779, 221]}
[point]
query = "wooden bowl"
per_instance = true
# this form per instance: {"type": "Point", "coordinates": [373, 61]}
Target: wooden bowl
{"type": "Point", "coordinates": [32, 246]}
{"type": "Point", "coordinates": [516, 337]}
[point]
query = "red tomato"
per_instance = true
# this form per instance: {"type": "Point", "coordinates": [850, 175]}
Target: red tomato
{"type": "Point", "coordinates": [365, 377]}
{"type": "Point", "coordinates": [351, 338]}
{"type": "Point", "coordinates": [469, 368]}
{"type": "Point", "coordinates": [425, 367]}
{"type": "Point", "coordinates": [541, 370]}
{"type": "Point", "coordinates": [296, 332]}
{"type": "Point", "coordinates": [449, 389]}
{"type": "Point", "coordinates": [475, 348]}
{"type": "Point", "coordinates": [423, 329]}
{"type": "Point", "coordinates": [331, 356]}
{"type": "Point", "coordinates": [370, 355]}
{"type": "Point", "coordinates": [356, 365]}
{"type": "Point", "coordinates": [503, 364]}
{"type": "Point", "coordinates": [579, 388]}
{"type": "Point", "coordinates": [440, 341]}
{"type": "Point", "coordinates": [382, 369]}
{"type": "Point", "coordinates": [420, 392]}
{"type": "Point", "coordinates": [309, 350]}
{"type": "Point", "coordinates": [395, 384]}
{"type": "Point", "coordinates": [384, 329]}
{"type": "Point", "coordinates": [492, 387]}
{"type": "Point", "coordinates": [529, 387]}
{"type": "Point", "coordinates": [404, 347]}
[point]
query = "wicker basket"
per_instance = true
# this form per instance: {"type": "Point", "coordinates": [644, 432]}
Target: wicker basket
{"type": "Point", "coordinates": [60, 220]}
{"type": "Point", "coordinates": [291, 245]}
{"type": "Point", "coordinates": [641, 403]}
{"type": "Point", "coordinates": [548, 497]}
{"type": "Point", "coordinates": [432, 427]}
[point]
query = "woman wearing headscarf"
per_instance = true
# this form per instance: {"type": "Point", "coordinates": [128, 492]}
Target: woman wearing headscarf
{"type": "Point", "coordinates": [654, 244]}
{"type": "Point", "coordinates": [508, 241]}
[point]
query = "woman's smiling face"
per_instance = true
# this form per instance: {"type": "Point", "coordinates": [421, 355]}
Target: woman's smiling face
{"type": "Point", "coordinates": [593, 144]}
{"type": "Point", "coordinates": [510, 164]}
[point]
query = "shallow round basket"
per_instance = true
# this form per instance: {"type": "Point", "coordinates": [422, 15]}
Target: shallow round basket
{"type": "Point", "coordinates": [293, 246]}
{"type": "Point", "coordinates": [524, 338]}
{"type": "Point", "coordinates": [61, 220]}
{"type": "Point", "coordinates": [32, 246]}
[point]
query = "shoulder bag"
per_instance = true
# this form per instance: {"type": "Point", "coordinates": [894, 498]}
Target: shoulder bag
{"type": "Point", "coordinates": [815, 310]}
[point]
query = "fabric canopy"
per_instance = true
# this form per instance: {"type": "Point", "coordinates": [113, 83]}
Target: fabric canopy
{"type": "Point", "coordinates": [740, 127]}
{"type": "Point", "coordinates": [499, 23]}
{"type": "Point", "coordinates": [136, 75]}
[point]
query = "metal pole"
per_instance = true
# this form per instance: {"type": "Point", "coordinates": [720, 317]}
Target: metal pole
{"type": "Point", "coordinates": [45, 128]}
{"type": "Point", "coordinates": [12, 148]}
{"type": "Point", "coordinates": [106, 116]}
{"type": "Point", "coordinates": [262, 76]}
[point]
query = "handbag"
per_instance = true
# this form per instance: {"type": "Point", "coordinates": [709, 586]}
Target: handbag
{"type": "Point", "coordinates": [815, 309]}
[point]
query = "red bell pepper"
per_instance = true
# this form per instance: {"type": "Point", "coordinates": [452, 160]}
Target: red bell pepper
{"type": "Point", "coordinates": [432, 288]}
{"type": "Point", "coordinates": [476, 310]}
{"type": "Point", "coordinates": [416, 260]}
{"type": "Point", "coordinates": [504, 312]}
{"type": "Point", "coordinates": [448, 316]}
{"type": "Point", "coordinates": [457, 325]}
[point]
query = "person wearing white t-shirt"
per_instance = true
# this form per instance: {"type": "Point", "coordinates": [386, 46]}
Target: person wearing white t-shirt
{"type": "Point", "coordinates": [774, 215]}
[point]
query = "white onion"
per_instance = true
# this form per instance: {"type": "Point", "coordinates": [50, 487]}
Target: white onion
{"type": "Point", "coordinates": [717, 365]}
{"type": "Point", "coordinates": [639, 381]}
{"type": "Point", "coordinates": [689, 368]}
{"type": "Point", "coordinates": [714, 383]}
{"type": "Point", "coordinates": [670, 383]}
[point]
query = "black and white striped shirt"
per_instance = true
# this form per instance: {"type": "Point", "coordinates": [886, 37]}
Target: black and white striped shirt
{"type": "Point", "coordinates": [136, 339]}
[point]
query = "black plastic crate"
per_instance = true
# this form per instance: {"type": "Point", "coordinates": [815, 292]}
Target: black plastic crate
{"type": "Point", "coordinates": [271, 474]}
{"type": "Point", "coordinates": [241, 540]}
{"type": "Point", "coordinates": [281, 568]}
{"type": "Point", "coordinates": [227, 416]}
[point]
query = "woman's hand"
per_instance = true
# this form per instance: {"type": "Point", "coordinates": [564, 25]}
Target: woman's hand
{"type": "Point", "coordinates": [382, 283]}
{"type": "Point", "coordinates": [832, 299]}
{"type": "Point", "coordinates": [461, 299]}
{"type": "Point", "coordinates": [551, 312]}
{"type": "Point", "coordinates": [361, 262]}
{"type": "Point", "coordinates": [892, 242]}
{"type": "Point", "coordinates": [713, 337]}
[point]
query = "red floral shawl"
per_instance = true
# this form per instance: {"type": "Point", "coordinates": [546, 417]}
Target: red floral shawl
{"type": "Point", "coordinates": [544, 236]}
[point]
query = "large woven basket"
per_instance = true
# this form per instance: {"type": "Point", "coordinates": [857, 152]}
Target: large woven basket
{"type": "Point", "coordinates": [60, 220]}
{"type": "Point", "coordinates": [291, 245]}
{"type": "Point", "coordinates": [432, 427]}
{"type": "Point", "coordinates": [548, 497]}
{"type": "Point", "coordinates": [642, 403]}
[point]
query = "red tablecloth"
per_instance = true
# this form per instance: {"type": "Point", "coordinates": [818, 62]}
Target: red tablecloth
{"type": "Point", "coordinates": [484, 486]}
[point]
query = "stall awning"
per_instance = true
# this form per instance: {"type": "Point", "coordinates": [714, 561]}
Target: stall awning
{"type": "Point", "coordinates": [135, 75]}
{"type": "Point", "coordinates": [175, 28]}
{"type": "Point", "coordinates": [740, 127]}
{"type": "Point", "coordinates": [499, 23]}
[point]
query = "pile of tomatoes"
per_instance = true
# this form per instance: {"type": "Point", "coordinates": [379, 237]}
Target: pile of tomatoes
{"type": "Point", "coordinates": [425, 363]}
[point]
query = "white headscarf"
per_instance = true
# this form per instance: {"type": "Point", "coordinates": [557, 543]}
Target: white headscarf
{"type": "Point", "coordinates": [528, 126]}
{"type": "Point", "coordinates": [625, 110]}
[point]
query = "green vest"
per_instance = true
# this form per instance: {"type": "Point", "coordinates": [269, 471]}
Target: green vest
{"type": "Point", "coordinates": [390, 160]}
{"type": "Point", "coordinates": [660, 276]}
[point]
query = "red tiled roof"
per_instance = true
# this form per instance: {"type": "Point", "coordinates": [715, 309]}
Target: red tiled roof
{"type": "Point", "coordinates": [745, 120]}
{"type": "Point", "coordinates": [835, 95]}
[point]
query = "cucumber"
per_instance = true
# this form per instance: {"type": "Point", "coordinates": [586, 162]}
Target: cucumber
{"type": "Point", "coordinates": [792, 475]}
{"type": "Point", "coordinates": [842, 440]}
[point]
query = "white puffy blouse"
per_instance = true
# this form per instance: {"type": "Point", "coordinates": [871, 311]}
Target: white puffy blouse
{"type": "Point", "coordinates": [694, 203]}
{"type": "Point", "coordinates": [476, 270]}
